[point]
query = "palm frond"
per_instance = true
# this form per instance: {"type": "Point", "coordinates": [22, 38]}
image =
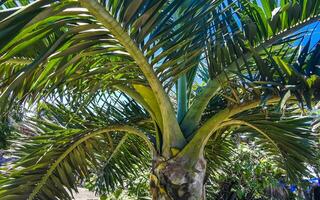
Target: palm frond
{"type": "Point", "coordinates": [291, 138]}
{"type": "Point", "coordinates": [54, 166]}
{"type": "Point", "coordinates": [126, 163]}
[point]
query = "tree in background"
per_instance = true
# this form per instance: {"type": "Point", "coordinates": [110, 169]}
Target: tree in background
{"type": "Point", "coordinates": [118, 86]}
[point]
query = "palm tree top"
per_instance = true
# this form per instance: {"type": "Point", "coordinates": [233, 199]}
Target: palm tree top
{"type": "Point", "coordinates": [110, 81]}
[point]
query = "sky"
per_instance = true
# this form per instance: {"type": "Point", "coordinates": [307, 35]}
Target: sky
{"type": "Point", "coordinates": [315, 37]}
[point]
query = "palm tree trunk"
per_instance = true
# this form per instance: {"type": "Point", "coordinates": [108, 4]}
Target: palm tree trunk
{"type": "Point", "coordinates": [175, 180]}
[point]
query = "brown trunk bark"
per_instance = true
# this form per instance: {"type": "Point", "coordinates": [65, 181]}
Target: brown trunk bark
{"type": "Point", "coordinates": [172, 180]}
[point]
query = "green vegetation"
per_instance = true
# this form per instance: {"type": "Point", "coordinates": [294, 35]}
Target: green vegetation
{"type": "Point", "coordinates": [110, 89]}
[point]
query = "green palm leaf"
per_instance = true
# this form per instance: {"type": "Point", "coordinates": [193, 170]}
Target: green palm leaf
{"type": "Point", "coordinates": [290, 137]}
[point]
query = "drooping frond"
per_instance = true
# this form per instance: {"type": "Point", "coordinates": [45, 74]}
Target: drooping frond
{"type": "Point", "coordinates": [74, 139]}
{"type": "Point", "coordinates": [58, 158]}
{"type": "Point", "coordinates": [290, 138]}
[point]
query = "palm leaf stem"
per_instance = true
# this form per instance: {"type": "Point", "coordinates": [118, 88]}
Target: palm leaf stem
{"type": "Point", "coordinates": [196, 145]}
{"type": "Point", "coordinates": [172, 135]}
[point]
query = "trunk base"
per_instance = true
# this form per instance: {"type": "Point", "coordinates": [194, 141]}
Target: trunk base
{"type": "Point", "coordinates": [172, 180]}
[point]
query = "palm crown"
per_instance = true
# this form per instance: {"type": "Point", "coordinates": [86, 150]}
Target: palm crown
{"type": "Point", "coordinates": [115, 85]}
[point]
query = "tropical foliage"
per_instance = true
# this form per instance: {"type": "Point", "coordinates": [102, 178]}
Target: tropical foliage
{"type": "Point", "coordinates": [249, 176]}
{"type": "Point", "coordinates": [116, 87]}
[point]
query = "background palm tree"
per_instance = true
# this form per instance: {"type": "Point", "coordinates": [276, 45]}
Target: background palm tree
{"type": "Point", "coordinates": [115, 87]}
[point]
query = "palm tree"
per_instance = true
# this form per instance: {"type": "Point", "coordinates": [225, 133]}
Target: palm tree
{"type": "Point", "coordinates": [115, 87]}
